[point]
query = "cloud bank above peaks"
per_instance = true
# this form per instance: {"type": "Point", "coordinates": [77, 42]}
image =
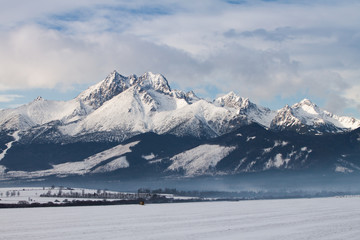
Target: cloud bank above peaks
{"type": "Point", "coordinates": [261, 50]}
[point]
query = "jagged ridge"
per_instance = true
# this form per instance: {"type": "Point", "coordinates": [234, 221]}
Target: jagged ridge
{"type": "Point", "coordinates": [120, 107]}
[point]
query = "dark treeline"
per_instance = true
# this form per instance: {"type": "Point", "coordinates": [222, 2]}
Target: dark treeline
{"type": "Point", "coordinates": [24, 204]}
{"type": "Point", "coordinates": [245, 195]}
{"type": "Point", "coordinates": [101, 194]}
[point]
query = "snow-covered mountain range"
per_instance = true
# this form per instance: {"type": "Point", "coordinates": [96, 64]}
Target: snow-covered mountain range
{"type": "Point", "coordinates": [134, 126]}
{"type": "Point", "coordinates": [121, 107]}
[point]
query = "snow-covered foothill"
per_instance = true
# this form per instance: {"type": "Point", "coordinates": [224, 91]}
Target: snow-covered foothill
{"type": "Point", "coordinates": [16, 137]}
{"type": "Point", "coordinates": [85, 166]}
{"type": "Point", "coordinates": [120, 162]}
{"type": "Point", "coordinates": [199, 160]}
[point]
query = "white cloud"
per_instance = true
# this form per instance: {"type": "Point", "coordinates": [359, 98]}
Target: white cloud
{"type": "Point", "coordinates": [353, 94]}
{"type": "Point", "coordinates": [259, 49]}
{"type": "Point", "coordinates": [5, 98]}
{"type": "Point", "coordinates": [35, 57]}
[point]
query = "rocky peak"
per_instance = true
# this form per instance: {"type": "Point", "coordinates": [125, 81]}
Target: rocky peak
{"type": "Point", "coordinates": [115, 84]}
{"type": "Point", "coordinates": [304, 102]}
{"type": "Point", "coordinates": [231, 100]}
{"type": "Point", "coordinates": [39, 98]}
{"type": "Point", "coordinates": [284, 119]}
{"type": "Point", "coordinates": [191, 97]}
{"type": "Point", "coordinates": [111, 86]}
{"type": "Point", "coordinates": [155, 81]}
{"type": "Point", "coordinates": [132, 79]}
{"type": "Point", "coordinates": [306, 107]}
{"type": "Point", "coordinates": [115, 79]}
{"type": "Point", "coordinates": [285, 109]}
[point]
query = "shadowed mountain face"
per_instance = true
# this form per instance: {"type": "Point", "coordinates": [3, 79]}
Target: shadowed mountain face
{"type": "Point", "coordinates": [131, 127]}
{"type": "Point", "coordinates": [250, 149]}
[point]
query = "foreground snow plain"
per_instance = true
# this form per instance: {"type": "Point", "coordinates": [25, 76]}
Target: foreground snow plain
{"type": "Point", "coordinates": [322, 218]}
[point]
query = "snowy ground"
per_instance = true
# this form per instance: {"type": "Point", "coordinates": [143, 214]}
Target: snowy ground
{"type": "Point", "coordinates": [323, 218]}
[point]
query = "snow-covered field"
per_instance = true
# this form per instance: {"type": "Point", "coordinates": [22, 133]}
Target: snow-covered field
{"type": "Point", "coordinates": [322, 218]}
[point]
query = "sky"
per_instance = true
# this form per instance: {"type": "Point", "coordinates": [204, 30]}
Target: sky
{"type": "Point", "coordinates": [273, 52]}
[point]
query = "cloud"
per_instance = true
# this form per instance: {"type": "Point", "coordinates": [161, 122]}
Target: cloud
{"type": "Point", "coordinates": [259, 49]}
{"type": "Point", "coordinates": [5, 98]}
{"type": "Point", "coordinates": [37, 58]}
{"type": "Point", "coordinates": [45, 58]}
{"type": "Point", "coordinates": [253, 73]}
{"type": "Point", "coordinates": [335, 103]}
{"type": "Point", "coordinates": [353, 94]}
{"type": "Point", "coordinates": [278, 35]}
{"type": "Point", "coordinates": [34, 57]}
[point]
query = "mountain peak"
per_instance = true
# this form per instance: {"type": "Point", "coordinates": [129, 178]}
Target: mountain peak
{"type": "Point", "coordinates": [191, 94]}
{"type": "Point", "coordinates": [156, 81]}
{"type": "Point", "coordinates": [115, 78]}
{"type": "Point", "coordinates": [307, 106]}
{"type": "Point", "coordinates": [232, 100]}
{"type": "Point", "coordinates": [306, 101]}
{"type": "Point", "coordinates": [39, 98]}
{"type": "Point", "coordinates": [231, 95]}
{"type": "Point", "coordinates": [114, 72]}
{"type": "Point", "coordinates": [191, 97]}
{"type": "Point", "coordinates": [116, 83]}
{"type": "Point", "coordinates": [103, 91]}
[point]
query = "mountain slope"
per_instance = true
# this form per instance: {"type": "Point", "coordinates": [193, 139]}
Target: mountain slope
{"type": "Point", "coordinates": [135, 126]}
{"type": "Point", "coordinates": [120, 107]}
{"type": "Point", "coordinates": [307, 117]}
{"type": "Point", "coordinates": [249, 149]}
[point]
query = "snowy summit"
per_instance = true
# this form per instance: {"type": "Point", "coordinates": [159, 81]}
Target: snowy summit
{"type": "Point", "coordinates": [127, 106]}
